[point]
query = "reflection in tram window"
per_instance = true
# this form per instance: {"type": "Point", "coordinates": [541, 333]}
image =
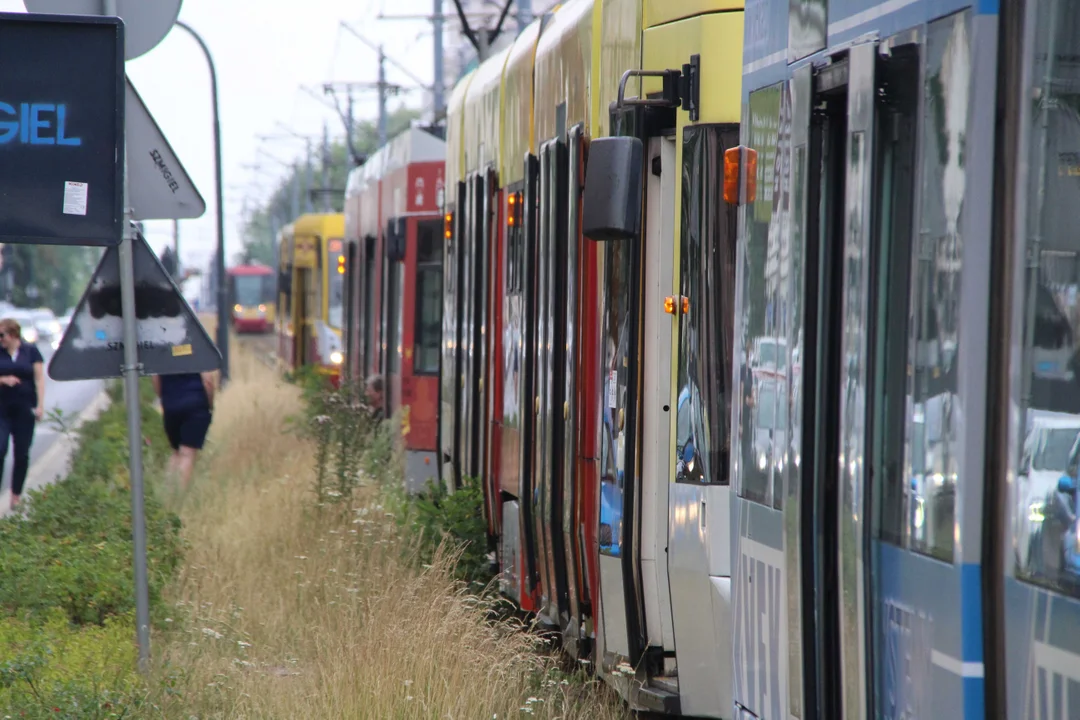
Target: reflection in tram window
{"type": "Point", "coordinates": [707, 281]}
{"type": "Point", "coordinates": [615, 427]}
{"type": "Point", "coordinates": [766, 317]}
{"type": "Point", "coordinates": [1044, 521]}
{"type": "Point", "coordinates": [933, 407]}
{"type": "Point", "coordinates": [429, 276]}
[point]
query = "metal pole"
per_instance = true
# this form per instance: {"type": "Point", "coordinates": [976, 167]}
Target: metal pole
{"type": "Point", "coordinates": [484, 39]}
{"type": "Point", "coordinates": [382, 97]}
{"type": "Point", "coordinates": [309, 182]}
{"type": "Point", "coordinates": [295, 191]}
{"type": "Point", "coordinates": [130, 370]}
{"type": "Point", "coordinates": [439, 85]}
{"type": "Point", "coordinates": [176, 241]}
{"type": "Point", "coordinates": [326, 168]}
{"type": "Point", "coordinates": [524, 14]}
{"type": "Point", "coordinates": [222, 300]}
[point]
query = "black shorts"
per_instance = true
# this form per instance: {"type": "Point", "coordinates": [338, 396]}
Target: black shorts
{"type": "Point", "coordinates": [187, 428]}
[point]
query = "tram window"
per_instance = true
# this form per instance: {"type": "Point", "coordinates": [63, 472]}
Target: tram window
{"type": "Point", "coordinates": [515, 237]}
{"type": "Point", "coordinates": [707, 280]}
{"type": "Point", "coordinates": [428, 323]}
{"type": "Point", "coordinates": [335, 284]}
{"type": "Point", "coordinates": [1044, 522]}
{"type": "Point", "coordinates": [768, 306]}
{"type": "Point", "coordinates": [932, 407]}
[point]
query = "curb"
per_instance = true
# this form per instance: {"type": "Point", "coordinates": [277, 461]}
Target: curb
{"type": "Point", "coordinates": [58, 454]}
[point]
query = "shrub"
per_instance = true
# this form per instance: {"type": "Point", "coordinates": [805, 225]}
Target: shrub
{"type": "Point", "coordinates": [71, 550]}
{"type": "Point", "coordinates": [458, 517]}
{"type": "Point", "coordinates": [50, 670]}
{"type": "Point", "coordinates": [347, 441]}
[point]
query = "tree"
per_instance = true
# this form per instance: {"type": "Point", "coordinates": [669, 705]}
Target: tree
{"type": "Point", "coordinates": [51, 276]}
{"type": "Point", "coordinates": [259, 234]}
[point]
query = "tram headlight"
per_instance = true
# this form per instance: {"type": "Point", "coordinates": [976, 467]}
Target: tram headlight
{"type": "Point", "coordinates": [762, 461]}
{"type": "Point", "coordinates": [336, 357]}
{"type": "Point", "coordinates": [237, 308]}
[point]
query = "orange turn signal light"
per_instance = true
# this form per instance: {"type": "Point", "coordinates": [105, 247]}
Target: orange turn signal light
{"type": "Point", "coordinates": [740, 175]}
{"type": "Point", "coordinates": [676, 302]}
{"type": "Point", "coordinates": [449, 228]}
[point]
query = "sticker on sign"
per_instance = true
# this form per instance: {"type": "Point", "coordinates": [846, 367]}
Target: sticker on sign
{"type": "Point", "coordinates": [75, 195]}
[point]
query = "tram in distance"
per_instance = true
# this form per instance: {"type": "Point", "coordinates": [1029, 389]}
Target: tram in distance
{"type": "Point", "coordinates": [393, 286]}
{"type": "Point", "coordinates": [251, 291]}
{"type": "Point", "coordinates": [906, 410]}
{"type": "Point", "coordinates": [587, 333]}
{"type": "Point", "coordinates": [311, 294]}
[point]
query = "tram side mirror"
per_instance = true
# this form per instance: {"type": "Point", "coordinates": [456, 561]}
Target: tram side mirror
{"type": "Point", "coordinates": [611, 206]}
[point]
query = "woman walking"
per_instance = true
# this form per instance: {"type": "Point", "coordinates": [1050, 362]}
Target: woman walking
{"type": "Point", "coordinates": [22, 400]}
{"type": "Point", "coordinates": [187, 403]}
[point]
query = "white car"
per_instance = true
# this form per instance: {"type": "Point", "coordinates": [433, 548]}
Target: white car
{"type": "Point", "coordinates": [1053, 439]}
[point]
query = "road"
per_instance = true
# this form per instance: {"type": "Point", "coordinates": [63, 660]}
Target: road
{"type": "Point", "coordinates": [70, 397]}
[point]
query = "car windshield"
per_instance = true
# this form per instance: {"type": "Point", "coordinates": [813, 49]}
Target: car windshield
{"type": "Point", "coordinates": [771, 414]}
{"type": "Point", "coordinates": [1053, 452]}
{"type": "Point", "coordinates": [771, 353]}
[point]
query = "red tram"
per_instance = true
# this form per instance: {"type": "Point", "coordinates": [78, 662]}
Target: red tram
{"type": "Point", "coordinates": [394, 237]}
{"type": "Point", "coordinates": [251, 294]}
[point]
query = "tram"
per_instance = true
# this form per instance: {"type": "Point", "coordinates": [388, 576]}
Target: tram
{"type": "Point", "coordinates": [311, 294]}
{"type": "Point", "coordinates": [394, 246]}
{"type": "Point", "coordinates": [904, 454]}
{"type": "Point", "coordinates": [251, 292]}
{"type": "Point", "coordinates": [587, 333]}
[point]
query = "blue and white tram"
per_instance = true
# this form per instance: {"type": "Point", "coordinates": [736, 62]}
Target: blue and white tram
{"type": "Point", "coordinates": [911, 239]}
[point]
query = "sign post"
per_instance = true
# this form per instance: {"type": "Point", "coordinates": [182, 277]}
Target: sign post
{"type": "Point", "coordinates": [148, 25]}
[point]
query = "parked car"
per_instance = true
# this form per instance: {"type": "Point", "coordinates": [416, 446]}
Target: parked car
{"type": "Point", "coordinates": [49, 330]}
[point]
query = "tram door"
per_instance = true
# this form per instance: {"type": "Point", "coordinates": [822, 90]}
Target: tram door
{"type": "Point", "coordinates": [548, 436]}
{"type": "Point", "coordinates": [621, 622]}
{"type": "Point", "coordinates": [829, 128]}
{"type": "Point", "coordinates": [858, 619]}
{"type": "Point", "coordinates": [451, 367]}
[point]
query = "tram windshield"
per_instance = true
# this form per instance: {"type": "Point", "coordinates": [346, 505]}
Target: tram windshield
{"type": "Point", "coordinates": [253, 290]}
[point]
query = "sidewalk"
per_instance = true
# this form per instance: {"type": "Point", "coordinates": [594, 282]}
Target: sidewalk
{"type": "Point", "coordinates": [54, 463]}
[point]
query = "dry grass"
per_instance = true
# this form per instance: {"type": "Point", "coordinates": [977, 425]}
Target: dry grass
{"type": "Point", "coordinates": [289, 614]}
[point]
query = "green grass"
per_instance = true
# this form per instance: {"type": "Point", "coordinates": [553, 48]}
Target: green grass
{"type": "Point", "coordinates": [66, 578]}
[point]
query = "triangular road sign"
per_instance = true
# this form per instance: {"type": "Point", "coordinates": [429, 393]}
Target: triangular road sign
{"type": "Point", "coordinates": [171, 338]}
{"type": "Point", "coordinates": [158, 186]}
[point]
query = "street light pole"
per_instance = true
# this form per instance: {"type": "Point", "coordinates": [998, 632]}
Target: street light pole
{"type": "Point", "coordinates": [222, 289]}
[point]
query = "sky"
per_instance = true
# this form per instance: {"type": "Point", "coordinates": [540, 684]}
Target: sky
{"type": "Point", "coordinates": [265, 52]}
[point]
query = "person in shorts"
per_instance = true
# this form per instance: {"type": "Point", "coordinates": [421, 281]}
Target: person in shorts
{"type": "Point", "coordinates": [187, 404]}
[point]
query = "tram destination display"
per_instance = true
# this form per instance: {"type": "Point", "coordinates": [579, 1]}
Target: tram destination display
{"type": "Point", "coordinates": [61, 129]}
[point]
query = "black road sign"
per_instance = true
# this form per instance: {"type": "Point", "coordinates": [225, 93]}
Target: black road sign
{"type": "Point", "coordinates": [171, 338]}
{"type": "Point", "coordinates": [61, 129]}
